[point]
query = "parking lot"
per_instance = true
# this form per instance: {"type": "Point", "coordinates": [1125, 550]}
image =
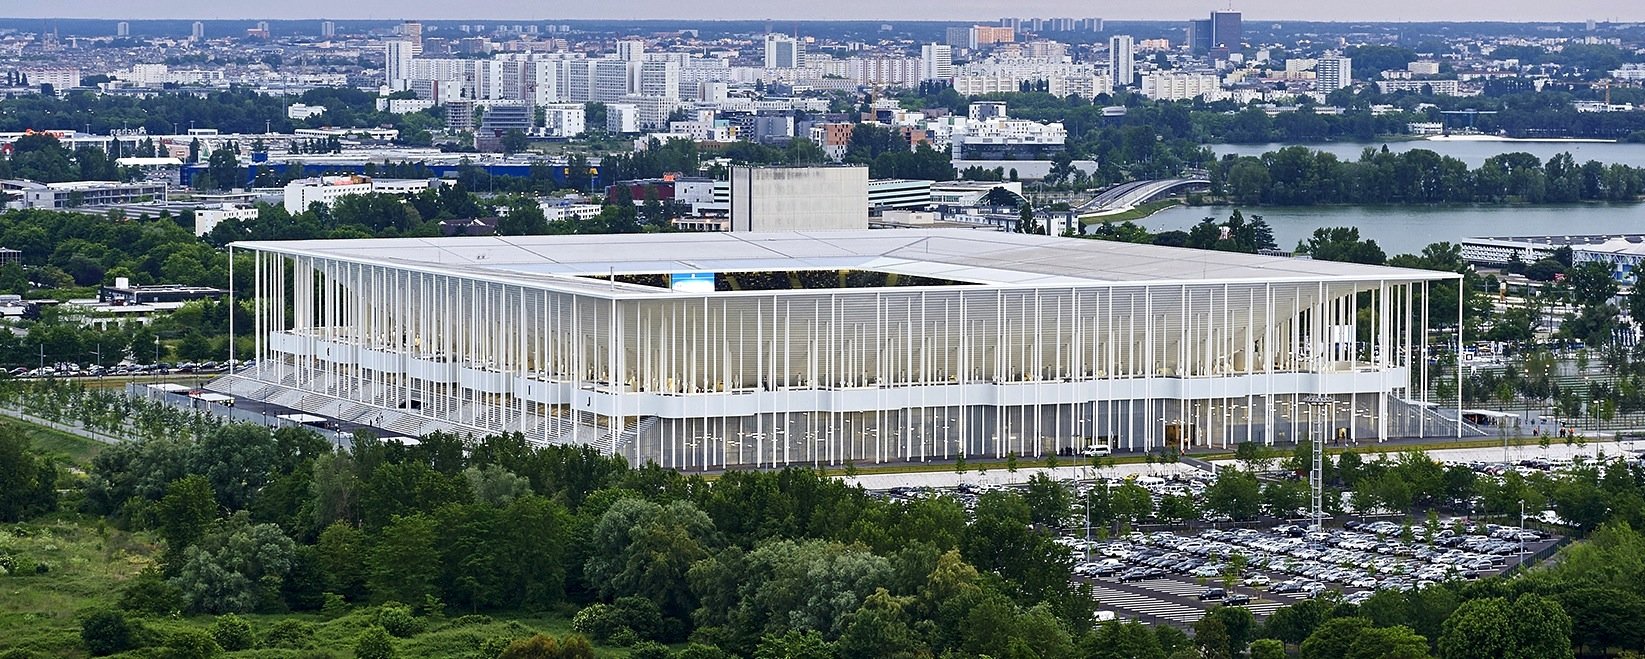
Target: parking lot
{"type": "Point", "coordinates": [1176, 577]}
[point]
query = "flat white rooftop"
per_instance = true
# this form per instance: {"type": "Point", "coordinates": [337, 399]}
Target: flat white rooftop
{"type": "Point", "coordinates": [967, 255]}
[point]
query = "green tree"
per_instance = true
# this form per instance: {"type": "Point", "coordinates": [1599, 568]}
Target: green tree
{"type": "Point", "coordinates": [341, 552]}
{"type": "Point", "coordinates": [795, 645]}
{"type": "Point", "coordinates": [184, 513]}
{"type": "Point", "coordinates": [1267, 648]}
{"type": "Point", "coordinates": [28, 482]}
{"type": "Point", "coordinates": [1234, 493]}
{"type": "Point", "coordinates": [1591, 283]}
{"type": "Point", "coordinates": [1334, 638]}
{"type": "Point", "coordinates": [403, 562]}
{"type": "Point", "coordinates": [642, 548]}
{"type": "Point", "coordinates": [1479, 628]}
{"type": "Point", "coordinates": [236, 568]}
{"type": "Point", "coordinates": [1049, 502]}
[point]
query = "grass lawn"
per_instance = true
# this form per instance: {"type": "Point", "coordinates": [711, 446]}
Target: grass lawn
{"type": "Point", "coordinates": [1136, 213]}
{"type": "Point", "coordinates": [75, 448]}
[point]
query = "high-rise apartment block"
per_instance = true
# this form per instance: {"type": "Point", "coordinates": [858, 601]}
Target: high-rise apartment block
{"type": "Point", "coordinates": [936, 61]}
{"type": "Point", "coordinates": [1122, 60]}
{"type": "Point", "coordinates": [1333, 73]}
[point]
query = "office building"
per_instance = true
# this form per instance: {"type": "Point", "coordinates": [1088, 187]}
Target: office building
{"type": "Point", "coordinates": [711, 350]}
{"type": "Point", "coordinates": [1199, 36]}
{"type": "Point", "coordinates": [79, 194]}
{"type": "Point", "coordinates": [328, 29]}
{"type": "Point", "coordinates": [122, 29]}
{"type": "Point", "coordinates": [1122, 60]}
{"type": "Point", "coordinates": [327, 190]}
{"type": "Point", "coordinates": [1227, 31]}
{"type": "Point", "coordinates": [198, 31]}
{"type": "Point", "coordinates": [799, 198]}
{"type": "Point", "coordinates": [1332, 73]}
{"type": "Point", "coordinates": [936, 62]}
{"type": "Point", "coordinates": [783, 52]}
{"type": "Point", "coordinates": [500, 119]}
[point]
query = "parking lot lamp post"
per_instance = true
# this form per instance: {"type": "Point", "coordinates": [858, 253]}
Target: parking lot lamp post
{"type": "Point", "coordinates": [1088, 521]}
{"type": "Point", "coordinates": [1521, 533]}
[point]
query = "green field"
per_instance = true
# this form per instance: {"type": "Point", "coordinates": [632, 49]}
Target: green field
{"type": "Point", "coordinates": [87, 561]}
{"type": "Point", "coordinates": [66, 565]}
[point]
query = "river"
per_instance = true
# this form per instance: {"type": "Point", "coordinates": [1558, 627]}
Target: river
{"type": "Point", "coordinates": [1473, 152]}
{"type": "Point", "coordinates": [1407, 229]}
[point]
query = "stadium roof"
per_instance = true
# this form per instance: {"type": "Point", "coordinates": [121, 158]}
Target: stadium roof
{"type": "Point", "coordinates": [969, 255]}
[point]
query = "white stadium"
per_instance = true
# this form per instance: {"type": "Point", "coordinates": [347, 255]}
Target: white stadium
{"type": "Point", "coordinates": [701, 351]}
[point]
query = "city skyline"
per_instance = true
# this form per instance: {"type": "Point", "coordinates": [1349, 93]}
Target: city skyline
{"type": "Point", "coordinates": [1391, 11]}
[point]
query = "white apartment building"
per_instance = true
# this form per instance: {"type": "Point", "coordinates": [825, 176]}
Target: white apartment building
{"type": "Point", "coordinates": [206, 219]}
{"type": "Point", "coordinates": [1174, 86]}
{"type": "Point", "coordinates": [1439, 87]}
{"type": "Point", "coordinates": [564, 119]}
{"type": "Point", "coordinates": [622, 118]}
{"type": "Point", "coordinates": [936, 61]}
{"type": "Point", "coordinates": [57, 78]}
{"type": "Point", "coordinates": [1333, 73]}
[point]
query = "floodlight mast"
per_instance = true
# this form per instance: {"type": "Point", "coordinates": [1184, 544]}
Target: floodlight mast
{"type": "Point", "coordinates": [1316, 474]}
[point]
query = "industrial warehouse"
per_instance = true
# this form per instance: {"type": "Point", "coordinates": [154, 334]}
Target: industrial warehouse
{"type": "Point", "coordinates": [704, 351]}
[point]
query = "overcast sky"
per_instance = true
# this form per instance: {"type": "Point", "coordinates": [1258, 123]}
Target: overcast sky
{"type": "Point", "coordinates": [958, 10]}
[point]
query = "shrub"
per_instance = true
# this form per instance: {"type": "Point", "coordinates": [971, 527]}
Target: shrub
{"type": "Point", "coordinates": [637, 616]}
{"type": "Point", "coordinates": [149, 592]}
{"type": "Point", "coordinates": [397, 619]}
{"type": "Point", "coordinates": [106, 632]}
{"type": "Point", "coordinates": [289, 634]}
{"type": "Point", "coordinates": [374, 643]}
{"type": "Point", "coordinates": [18, 653]}
{"type": "Point", "coordinates": [649, 650]}
{"type": "Point", "coordinates": [333, 606]}
{"type": "Point", "coordinates": [191, 644]}
{"type": "Point", "coordinates": [598, 621]}
{"type": "Point", "coordinates": [471, 620]}
{"type": "Point", "coordinates": [232, 632]}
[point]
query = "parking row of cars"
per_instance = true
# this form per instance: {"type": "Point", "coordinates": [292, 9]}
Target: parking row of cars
{"type": "Point", "coordinates": [69, 370]}
{"type": "Point", "coordinates": [1368, 556]}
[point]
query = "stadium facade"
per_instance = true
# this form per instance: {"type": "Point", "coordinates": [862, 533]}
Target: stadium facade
{"type": "Point", "coordinates": [710, 350]}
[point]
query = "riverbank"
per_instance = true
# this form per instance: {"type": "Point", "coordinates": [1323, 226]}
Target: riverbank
{"type": "Point", "coordinates": [1130, 214]}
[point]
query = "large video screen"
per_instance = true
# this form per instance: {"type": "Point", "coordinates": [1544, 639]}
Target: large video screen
{"type": "Point", "coordinates": [692, 282]}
